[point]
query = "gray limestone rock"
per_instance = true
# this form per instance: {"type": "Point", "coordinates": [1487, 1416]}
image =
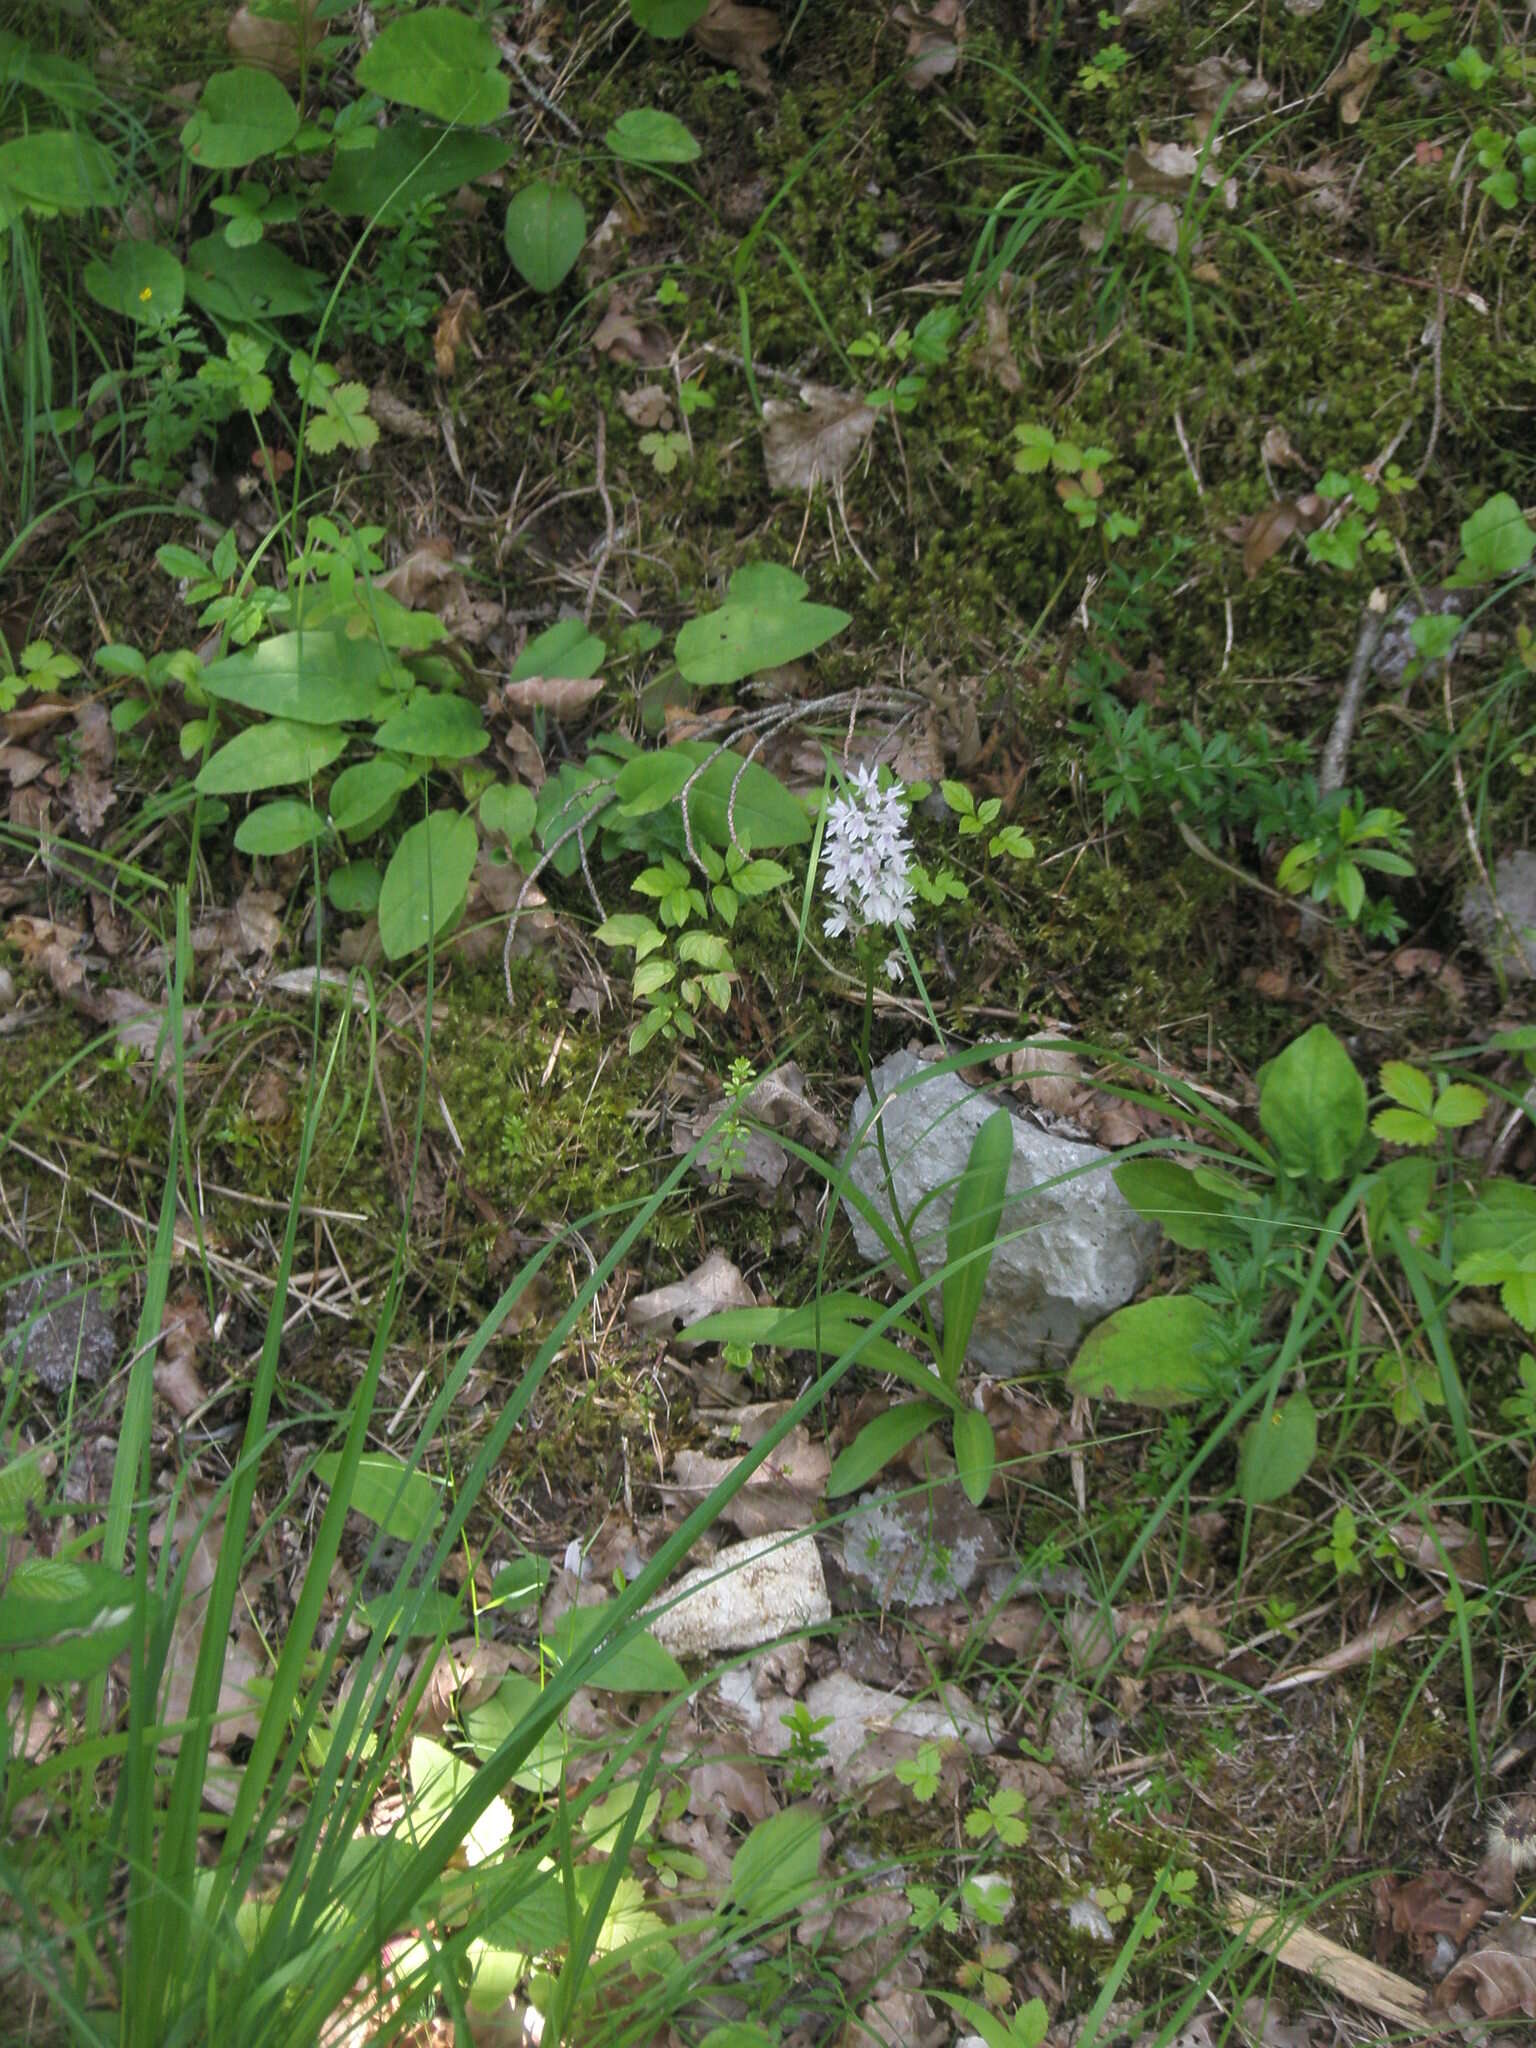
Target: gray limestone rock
{"type": "Point", "coordinates": [58, 1325]}
{"type": "Point", "coordinates": [1514, 885]}
{"type": "Point", "coordinates": [1083, 1250]}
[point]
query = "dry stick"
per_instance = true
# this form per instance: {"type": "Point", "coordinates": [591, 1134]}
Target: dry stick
{"type": "Point", "coordinates": [1336, 753]}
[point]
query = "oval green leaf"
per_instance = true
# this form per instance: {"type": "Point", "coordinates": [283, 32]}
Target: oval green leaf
{"type": "Point", "coordinates": [1193, 1216]}
{"type": "Point", "coordinates": [243, 115]}
{"type": "Point", "coordinates": [139, 281]}
{"type": "Point", "coordinates": [269, 756]}
{"type": "Point", "coordinates": [546, 226]}
{"type": "Point", "coordinates": [565, 649]}
{"type": "Point", "coordinates": [354, 888]}
{"type": "Point", "coordinates": [441, 61]}
{"type": "Point", "coordinates": [749, 633]}
{"type": "Point", "coordinates": [509, 809]}
{"type": "Point", "coordinates": [279, 827]}
{"type": "Point", "coordinates": [645, 135]}
{"type": "Point", "coordinates": [1312, 1105]}
{"type": "Point", "coordinates": [880, 1441]}
{"type": "Point", "coordinates": [318, 678]}
{"type": "Point", "coordinates": [975, 1454]}
{"type": "Point", "coordinates": [439, 726]}
{"type": "Point", "coordinates": [359, 794]}
{"type": "Point", "coordinates": [403, 1504]}
{"type": "Point", "coordinates": [1277, 1452]}
{"type": "Point", "coordinates": [426, 882]}
{"type": "Point", "coordinates": [1156, 1354]}
{"type": "Point", "coordinates": [409, 164]}
{"type": "Point", "coordinates": [666, 19]}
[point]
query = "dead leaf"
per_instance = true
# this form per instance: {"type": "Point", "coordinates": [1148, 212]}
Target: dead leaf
{"type": "Point", "coordinates": [711, 1287]}
{"type": "Point", "coordinates": [184, 1331]}
{"type": "Point", "coordinates": [20, 765]}
{"type": "Point", "coordinates": [901, 2019]}
{"type": "Point", "coordinates": [731, 1788]}
{"type": "Point", "coordinates": [417, 577]}
{"type": "Point", "coordinates": [779, 1099]}
{"type": "Point", "coordinates": [1436, 1903]}
{"type": "Point", "coordinates": [740, 37]}
{"type": "Point", "coordinates": [1155, 220]}
{"type": "Point", "coordinates": [1267, 532]}
{"type": "Point", "coordinates": [239, 1707]}
{"type": "Point", "coordinates": [1353, 81]}
{"type": "Point", "coordinates": [650, 406]}
{"type": "Point", "coordinates": [452, 330]}
{"type": "Point", "coordinates": [1168, 168]}
{"type": "Point", "coordinates": [996, 351]}
{"type": "Point", "coordinates": [784, 1492]}
{"type": "Point", "coordinates": [935, 42]}
{"type": "Point", "coordinates": [272, 463]}
{"type": "Point", "coordinates": [626, 339]}
{"type": "Point", "coordinates": [396, 417]}
{"type": "Point", "coordinates": [50, 949]}
{"type": "Point", "coordinates": [464, 1675]}
{"type": "Point", "coordinates": [1501, 1981]}
{"type": "Point", "coordinates": [815, 441]}
{"type": "Point", "coordinates": [1217, 79]}
{"type": "Point", "coordinates": [1276, 447]}
{"type": "Point", "coordinates": [561, 695]}
{"type": "Point", "coordinates": [272, 45]}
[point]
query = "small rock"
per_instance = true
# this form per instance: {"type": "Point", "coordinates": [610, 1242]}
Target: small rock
{"type": "Point", "coordinates": [918, 1551]}
{"type": "Point", "coordinates": [754, 1592]}
{"type": "Point", "coordinates": [7, 989]}
{"type": "Point", "coordinates": [1514, 890]}
{"type": "Point", "coordinates": [60, 1327]}
{"type": "Point", "coordinates": [855, 1713]}
{"type": "Point", "coordinates": [1077, 1248]}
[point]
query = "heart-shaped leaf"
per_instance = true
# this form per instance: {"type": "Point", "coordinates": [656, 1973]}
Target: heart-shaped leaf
{"type": "Point", "coordinates": [546, 226]}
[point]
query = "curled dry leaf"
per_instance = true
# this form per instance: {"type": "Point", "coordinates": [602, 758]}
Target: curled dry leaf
{"type": "Point", "coordinates": [779, 1099]}
{"type": "Point", "coordinates": [732, 1788]}
{"type": "Point", "coordinates": [1352, 82]}
{"type": "Point", "coordinates": [1276, 447]}
{"type": "Point", "coordinates": [935, 41]}
{"type": "Point", "coordinates": [1501, 1981]}
{"type": "Point", "coordinates": [463, 1677]}
{"type": "Point", "coordinates": [1435, 1903]}
{"type": "Point", "coordinates": [715, 1285]}
{"type": "Point", "coordinates": [816, 441]}
{"type": "Point", "coordinates": [783, 1493]}
{"type": "Point", "coordinates": [452, 330]}
{"type": "Point", "coordinates": [650, 406]}
{"type": "Point", "coordinates": [1166, 169]}
{"type": "Point", "coordinates": [51, 949]}
{"type": "Point", "coordinates": [276, 46]}
{"type": "Point", "coordinates": [1273, 525]}
{"type": "Point", "coordinates": [183, 1334]}
{"type": "Point", "coordinates": [740, 37]}
{"type": "Point", "coordinates": [406, 422]}
{"type": "Point", "coordinates": [1217, 79]}
{"type": "Point", "coordinates": [626, 339]}
{"type": "Point", "coordinates": [561, 695]}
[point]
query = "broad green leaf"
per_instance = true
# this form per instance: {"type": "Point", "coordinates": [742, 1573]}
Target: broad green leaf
{"type": "Point", "coordinates": [243, 114]}
{"type": "Point", "coordinates": [1192, 1215]}
{"type": "Point", "coordinates": [404, 1504]}
{"type": "Point", "coordinates": [1496, 1244]}
{"type": "Point", "coordinates": [248, 287]}
{"type": "Point", "coordinates": [359, 794]}
{"type": "Point", "coordinates": [1312, 1105]}
{"type": "Point", "coordinates": [738, 2033]}
{"type": "Point", "coordinates": [973, 1226]}
{"type": "Point", "coordinates": [1404, 1127]}
{"type": "Point", "coordinates": [409, 164]}
{"type": "Point", "coordinates": [489, 1725]}
{"type": "Point", "coordinates": [566, 649]}
{"type": "Point", "coordinates": [279, 827]}
{"type": "Point", "coordinates": [138, 280]}
{"type": "Point", "coordinates": [436, 725]}
{"type": "Point", "coordinates": [426, 882]}
{"type": "Point", "coordinates": [439, 1779]}
{"type": "Point", "coordinates": [645, 135]}
{"type": "Point", "coordinates": [354, 888]}
{"type": "Point", "coordinates": [441, 61]}
{"type": "Point", "coordinates": [62, 1621]}
{"type": "Point", "coordinates": [270, 755]}
{"type": "Point", "coordinates": [667, 20]}
{"type": "Point", "coordinates": [759, 626]}
{"type": "Point", "coordinates": [1459, 1104]}
{"type": "Point", "coordinates": [1495, 541]}
{"type": "Point", "coordinates": [1156, 1354]}
{"type": "Point", "coordinates": [764, 811]}
{"type": "Point", "coordinates": [975, 1454]}
{"type": "Point", "coordinates": [22, 1486]}
{"type": "Point", "coordinates": [546, 226]}
{"type": "Point", "coordinates": [318, 678]}
{"type": "Point", "coordinates": [638, 1665]}
{"type": "Point", "coordinates": [777, 1867]}
{"type": "Point", "coordinates": [510, 809]}
{"type": "Point", "coordinates": [1277, 1452]}
{"type": "Point", "coordinates": [880, 1441]}
{"type": "Point", "coordinates": [56, 170]}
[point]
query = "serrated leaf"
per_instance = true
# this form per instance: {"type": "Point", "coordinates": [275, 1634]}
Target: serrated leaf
{"type": "Point", "coordinates": [546, 226]}
{"type": "Point", "coordinates": [1404, 1127]}
{"type": "Point", "coordinates": [1459, 1103]}
{"type": "Point", "coordinates": [1409, 1086]}
{"type": "Point", "coordinates": [426, 882]}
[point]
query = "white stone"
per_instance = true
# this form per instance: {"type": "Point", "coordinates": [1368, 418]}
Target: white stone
{"type": "Point", "coordinates": [753, 1592]}
{"type": "Point", "coordinates": [856, 1713]}
{"type": "Point", "coordinates": [1508, 941]}
{"type": "Point", "coordinates": [1073, 1251]}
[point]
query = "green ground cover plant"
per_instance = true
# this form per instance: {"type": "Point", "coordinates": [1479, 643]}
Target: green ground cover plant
{"type": "Point", "coordinates": [997, 532]}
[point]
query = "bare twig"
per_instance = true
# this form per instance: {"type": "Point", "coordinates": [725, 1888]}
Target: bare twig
{"type": "Point", "coordinates": [1367, 641]}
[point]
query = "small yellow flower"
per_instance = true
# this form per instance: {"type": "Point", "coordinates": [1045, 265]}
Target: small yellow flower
{"type": "Point", "coordinates": [145, 296]}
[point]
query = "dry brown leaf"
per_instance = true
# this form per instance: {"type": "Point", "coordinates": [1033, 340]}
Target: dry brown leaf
{"type": "Point", "coordinates": [715, 1285]}
{"type": "Point", "coordinates": [276, 46]}
{"type": "Point", "coordinates": [1155, 220]}
{"type": "Point", "coordinates": [901, 2019]}
{"type": "Point", "coordinates": [740, 37]}
{"type": "Point", "coordinates": [626, 339]}
{"type": "Point", "coordinates": [779, 1099]}
{"type": "Point", "coordinates": [996, 351]}
{"type": "Point", "coordinates": [650, 406]}
{"type": "Point", "coordinates": [1352, 82]}
{"type": "Point", "coordinates": [1167, 169]}
{"type": "Point", "coordinates": [1272, 526]}
{"type": "Point", "coordinates": [20, 765]}
{"type": "Point", "coordinates": [1276, 447]}
{"type": "Point", "coordinates": [815, 441]}
{"type": "Point", "coordinates": [417, 577]}
{"type": "Point", "coordinates": [183, 1333]}
{"type": "Point", "coordinates": [452, 330]}
{"type": "Point", "coordinates": [239, 1706]}
{"type": "Point", "coordinates": [406, 422]}
{"type": "Point", "coordinates": [561, 695]}
{"type": "Point", "coordinates": [529, 762]}
{"type": "Point", "coordinates": [463, 1677]}
{"type": "Point", "coordinates": [51, 949]}
{"type": "Point", "coordinates": [1436, 1902]}
{"type": "Point", "coordinates": [1502, 1982]}
{"type": "Point", "coordinates": [935, 42]}
{"type": "Point", "coordinates": [1208, 83]}
{"type": "Point", "coordinates": [732, 1788]}
{"type": "Point", "coordinates": [784, 1492]}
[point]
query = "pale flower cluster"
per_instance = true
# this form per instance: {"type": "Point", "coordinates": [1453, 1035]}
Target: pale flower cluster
{"type": "Point", "coordinates": [866, 860]}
